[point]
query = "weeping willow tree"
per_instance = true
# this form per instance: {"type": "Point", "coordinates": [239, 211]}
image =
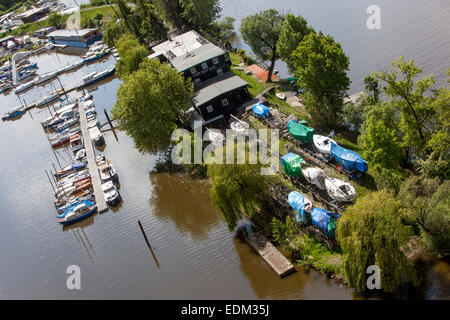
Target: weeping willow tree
{"type": "Point", "coordinates": [371, 232]}
{"type": "Point", "coordinates": [238, 189]}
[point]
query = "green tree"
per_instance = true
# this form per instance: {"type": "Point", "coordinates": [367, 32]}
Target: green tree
{"type": "Point", "coordinates": [56, 20]}
{"type": "Point", "coordinates": [429, 201]}
{"type": "Point", "coordinates": [321, 67]}
{"type": "Point", "coordinates": [411, 97]}
{"type": "Point", "coordinates": [152, 25]}
{"type": "Point", "coordinates": [371, 233]}
{"type": "Point", "coordinates": [223, 29]}
{"type": "Point", "coordinates": [237, 190]}
{"type": "Point", "coordinates": [261, 32]}
{"type": "Point", "coordinates": [293, 30]}
{"type": "Point", "coordinates": [200, 14]}
{"type": "Point", "coordinates": [112, 30]}
{"type": "Point", "coordinates": [173, 12]}
{"type": "Point", "coordinates": [373, 89]}
{"type": "Point", "coordinates": [131, 20]}
{"type": "Point", "coordinates": [131, 53]}
{"type": "Point", "coordinates": [151, 103]}
{"type": "Point", "coordinates": [440, 138]}
{"type": "Point", "coordinates": [379, 144]}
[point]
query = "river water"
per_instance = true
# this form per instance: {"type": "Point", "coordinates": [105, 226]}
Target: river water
{"type": "Point", "coordinates": [414, 29]}
{"type": "Point", "coordinates": [194, 256]}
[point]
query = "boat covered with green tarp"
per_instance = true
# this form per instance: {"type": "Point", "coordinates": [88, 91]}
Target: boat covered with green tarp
{"type": "Point", "coordinates": [300, 132]}
{"type": "Point", "coordinates": [292, 164]}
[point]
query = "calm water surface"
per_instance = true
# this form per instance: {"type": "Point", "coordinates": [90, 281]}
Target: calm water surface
{"type": "Point", "coordinates": [414, 29]}
{"type": "Point", "coordinates": [194, 254]}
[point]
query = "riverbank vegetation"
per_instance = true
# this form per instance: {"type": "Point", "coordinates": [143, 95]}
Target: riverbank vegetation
{"type": "Point", "coordinates": [400, 126]}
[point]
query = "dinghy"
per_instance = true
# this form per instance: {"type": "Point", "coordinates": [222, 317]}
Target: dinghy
{"type": "Point", "coordinates": [292, 164]}
{"type": "Point", "coordinates": [281, 95]}
{"type": "Point", "coordinates": [261, 110]}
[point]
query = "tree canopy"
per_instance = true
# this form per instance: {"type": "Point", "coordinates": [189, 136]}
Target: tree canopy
{"type": "Point", "coordinates": [321, 67]}
{"type": "Point", "coordinates": [131, 53]}
{"type": "Point", "coordinates": [371, 232]}
{"type": "Point", "coordinates": [293, 30]}
{"type": "Point", "coordinates": [200, 14]}
{"type": "Point", "coordinates": [261, 32]}
{"type": "Point", "coordinates": [151, 103]}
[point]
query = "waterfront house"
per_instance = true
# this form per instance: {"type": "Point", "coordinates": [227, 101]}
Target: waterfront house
{"type": "Point", "coordinates": [218, 92]}
{"type": "Point", "coordinates": [75, 38]}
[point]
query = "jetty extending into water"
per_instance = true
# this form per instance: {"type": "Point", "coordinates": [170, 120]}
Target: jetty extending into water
{"type": "Point", "coordinates": [270, 254]}
{"type": "Point", "coordinates": [92, 165]}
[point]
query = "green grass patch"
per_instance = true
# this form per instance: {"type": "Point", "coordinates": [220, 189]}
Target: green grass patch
{"type": "Point", "coordinates": [317, 255]}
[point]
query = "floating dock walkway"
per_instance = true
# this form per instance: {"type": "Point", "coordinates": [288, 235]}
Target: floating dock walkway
{"type": "Point", "coordinates": [92, 165]}
{"type": "Point", "coordinates": [270, 254]}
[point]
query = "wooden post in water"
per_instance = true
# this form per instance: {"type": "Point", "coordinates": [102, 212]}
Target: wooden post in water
{"type": "Point", "coordinates": [110, 123]}
{"type": "Point", "coordinates": [148, 244]}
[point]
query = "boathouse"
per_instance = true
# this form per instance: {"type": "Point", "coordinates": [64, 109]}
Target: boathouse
{"type": "Point", "coordinates": [33, 14]}
{"type": "Point", "coordinates": [75, 38]}
{"type": "Point", "coordinates": [218, 92]}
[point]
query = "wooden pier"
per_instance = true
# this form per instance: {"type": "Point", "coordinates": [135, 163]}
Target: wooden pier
{"type": "Point", "coordinates": [270, 254]}
{"type": "Point", "coordinates": [92, 165]}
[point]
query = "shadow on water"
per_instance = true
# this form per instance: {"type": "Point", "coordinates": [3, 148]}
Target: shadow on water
{"type": "Point", "coordinates": [187, 203]}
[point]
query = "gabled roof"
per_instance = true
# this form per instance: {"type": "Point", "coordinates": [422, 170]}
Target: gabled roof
{"type": "Point", "coordinates": [186, 50]}
{"type": "Point", "coordinates": [216, 87]}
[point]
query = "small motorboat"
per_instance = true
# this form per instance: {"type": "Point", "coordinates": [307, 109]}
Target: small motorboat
{"type": "Point", "coordinates": [76, 143]}
{"type": "Point", "coordinates": [80, 154]}
{"type": "Point", "coordinates": [281, 95]}
{"type": "Point", "coordinates": [67, 124]}
{"type": "Point", "coordinates": [87, 97]}
{"type": "Point", "coordinates": [239, 126]}
{"type": "Point", "coordinates": [96, 136]}
{"type": "Point", "coordinates": [112, 196]}
{"type": "Point", "coordinates": [106, 169]}
{"type": "Point", "coordinates": [61, 208]}
{"type": "Point", "coordinates": [89, 104]}
{"type": "Point", "coordinates": [322, 143]}
{"type": "Point", "coordinates": [215, 136]}
{"type": "Point", "coordinates": [79, 212]}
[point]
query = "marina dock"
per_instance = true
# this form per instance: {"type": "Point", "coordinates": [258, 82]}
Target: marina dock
{"type": "Point", "coordinates": [270, 254]}
{"type": "Point", "coordinates": [92, 165]}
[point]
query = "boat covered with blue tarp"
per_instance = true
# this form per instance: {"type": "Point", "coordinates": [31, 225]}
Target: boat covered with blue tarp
{"type": "Point", "coordinates": [324, 220]}
{"type": "Point", "coordinates": [300, 204]}
{"type": "Point", "coordinates": [261, 110]}
{"type": "Point", "coordinates": [348, 159]}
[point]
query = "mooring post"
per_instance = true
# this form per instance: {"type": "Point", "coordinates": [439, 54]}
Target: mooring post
{"type": "Point", "coordinates": [110, 123]}
{"type": "Point", "coordinates": [143, 232]}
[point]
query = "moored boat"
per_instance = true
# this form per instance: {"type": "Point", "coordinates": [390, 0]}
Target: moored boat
{"type": "Point", "coordinates": [112, 196]}
{"type": "Point", "coordinates": [79, 212]}
{"type": "Point", "coordinates": [13, 113]}
{"type": "Point", "coordinates": [24, 87]}
{"type": "Point", "coordinates": [97, 76]}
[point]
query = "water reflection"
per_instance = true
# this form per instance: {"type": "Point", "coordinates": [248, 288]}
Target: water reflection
{"type": "Point", "coordinates": [187, 203]}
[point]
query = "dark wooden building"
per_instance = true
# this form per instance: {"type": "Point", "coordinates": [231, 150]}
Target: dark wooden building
{"type": "Point", "coordinates": [218, 92]}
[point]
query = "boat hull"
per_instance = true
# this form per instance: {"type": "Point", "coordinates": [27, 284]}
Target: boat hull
{"type": "Point", "coordinates": [84, 216]}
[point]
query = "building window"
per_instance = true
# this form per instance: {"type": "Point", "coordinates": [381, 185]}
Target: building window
{"type": "Point", "coordinates": [227, 57]}
{"type": "Point", "coordinates": [216, 60]}
{"type": "Point", "coordinates": [209, 109]}
{"type": "Point", "coordinates": [193, 70]}
{"type": "Point", "coordinates": [225, 102]}
{"type": "Point", "coordinates": [219, 72]}
{"type": "Point", "coordinates": [197, 82]}
{"type": "Point", "coordinates": [205, 65]}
